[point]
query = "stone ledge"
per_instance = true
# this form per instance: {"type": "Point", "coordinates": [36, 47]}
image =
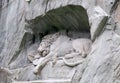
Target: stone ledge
{"type": "Point", "coordinates": [46, 81]}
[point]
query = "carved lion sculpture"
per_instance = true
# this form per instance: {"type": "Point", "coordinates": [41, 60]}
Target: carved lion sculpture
{"type": "Point", "coordinates": [47, 41]}
{"type": "Point", "coordinates": [63, 46]}
{"type": "Point", "coordinates": [82, 45]}
{"type": "Point", "coordinates": [44, 46]}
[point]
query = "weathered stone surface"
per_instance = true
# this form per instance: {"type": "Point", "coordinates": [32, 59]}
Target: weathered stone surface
{"type": "Point", "coordinates": [100, 61]}
{"type": "Point", "coordinates": [98, 21]}
{"type": "Point", "coordinates": [16, 42]}
{"type": "Point", "coordinates": [117, 13]}
{"type": "Point", "coordinates": [5, 76]}
{"type": "Point", "coordinates": [106, 5]}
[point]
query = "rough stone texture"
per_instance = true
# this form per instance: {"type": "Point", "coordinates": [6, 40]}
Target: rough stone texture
{"type": "Point", "coordinates": [117, 13]}
{"type": "Point", "coordinates": [16, 42]}
{"type": "Point", "coordinates": [98, 19]}
{"type": "Point", "coordinates": [4, 76]}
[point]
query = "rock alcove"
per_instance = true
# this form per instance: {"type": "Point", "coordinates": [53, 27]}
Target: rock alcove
{"type": "Point", "coordinates": [73, 22]}
{"type": "Point", "coordinates": [69, 18]}
{"type": "Point", "coordinates": [41, 31]}
{"type": "Point", "coordinates": [26, 23]}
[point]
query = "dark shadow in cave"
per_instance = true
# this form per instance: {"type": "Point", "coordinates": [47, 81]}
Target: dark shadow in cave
{"type": "Point", "coordinates": [69, 18]}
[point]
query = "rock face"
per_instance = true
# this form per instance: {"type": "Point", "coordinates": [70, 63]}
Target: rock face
{"type": "Point", "coordinates": [46, 35]}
